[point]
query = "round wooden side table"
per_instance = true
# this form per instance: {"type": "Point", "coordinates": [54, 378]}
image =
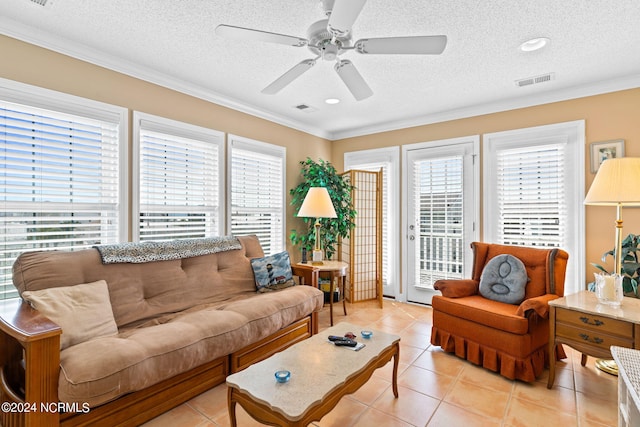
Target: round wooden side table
{"type": "Point", "coordinates": [335, 270]}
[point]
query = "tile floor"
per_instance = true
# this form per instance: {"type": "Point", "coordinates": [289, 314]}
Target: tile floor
{"type": "Point", "coordinates": [435, 388]}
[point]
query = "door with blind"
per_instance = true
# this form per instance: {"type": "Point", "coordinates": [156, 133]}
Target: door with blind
{"type": "Point", "coordinates": [387, 161]}
{"type": "Point", "coordinates": [441, 213]}
{"type": "Point", "coordinates": [534, 189]}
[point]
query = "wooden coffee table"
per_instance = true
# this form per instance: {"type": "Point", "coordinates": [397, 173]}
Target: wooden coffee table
{"type": "Point", "coordinates": [321, 374]}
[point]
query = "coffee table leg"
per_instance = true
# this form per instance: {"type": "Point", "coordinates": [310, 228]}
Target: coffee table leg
{"type": "Point", "coordinates": [396, 358]}
{"type": "Point", "coordinates": [344, 297]}
{"type": "Point", "coordinates": [232, 407]}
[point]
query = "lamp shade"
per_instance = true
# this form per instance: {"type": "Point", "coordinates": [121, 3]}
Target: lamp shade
{"type": "Point", "coordinates": [616, 183]}
{"type": "Point", "coordinates": [317, 204]}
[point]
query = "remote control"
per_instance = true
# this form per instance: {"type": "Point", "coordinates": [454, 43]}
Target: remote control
{"type": "Point", "coordinates": [345, 342]}
{"type": "Point", "coordinates": [333, 338]}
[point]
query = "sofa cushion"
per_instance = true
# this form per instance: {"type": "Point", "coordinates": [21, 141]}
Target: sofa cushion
{"type": "Point", "coordinates": [504, 279]}
{"type": "Point", "coordinates": [268, 312]}
{"type": "Point", "coordinates": [83, 311]}
{"type": "Point", "coordinates": [106, 368]}
{"type": "Point", "coordinates": [481, 310]}
{"type": "Point", "coordinates": [272, 272]}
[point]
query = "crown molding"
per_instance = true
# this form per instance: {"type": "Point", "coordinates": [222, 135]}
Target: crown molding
{"type": "Point", "coordinates": [598, 88]}
{"type": "Point", "coordinates": [37, 37]}
{"type": "Point", "coordinates": [79, 51]}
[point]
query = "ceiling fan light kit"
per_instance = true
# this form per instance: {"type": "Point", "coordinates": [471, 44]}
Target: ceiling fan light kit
{"type": "Point", "coordinates": [534, 44]}
{"type": "Point", "coordinates": [329, 38]}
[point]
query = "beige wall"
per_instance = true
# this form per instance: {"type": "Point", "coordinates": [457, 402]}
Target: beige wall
{"type": "Point", "coordinates": [30, 64]}
{"type": "Point", "coordinates": [610, 116]}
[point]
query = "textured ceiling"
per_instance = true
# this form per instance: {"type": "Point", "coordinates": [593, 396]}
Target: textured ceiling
{"type": "Point", "coordinates": [594, 48]}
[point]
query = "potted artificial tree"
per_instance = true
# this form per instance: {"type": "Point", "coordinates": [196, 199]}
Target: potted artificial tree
{"type": "Point", "coordinates": [323, 174]}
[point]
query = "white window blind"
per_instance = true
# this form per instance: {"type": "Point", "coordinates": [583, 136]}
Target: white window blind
{"type": "Point", "coordinates": [179, 179]}
{"type": "Point", "coordinates": [60, 181]}
{"type": "Point", "coordinates": [438, 195]}
{"type": "Point", "coordinates": [532, 207]}
{"type": "Point", "coordinates": [257, 192]}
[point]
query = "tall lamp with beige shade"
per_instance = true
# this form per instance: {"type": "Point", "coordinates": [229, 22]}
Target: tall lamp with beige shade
{"type": "Point", "coordinates": [317, 204]}
{"type": "Point", "coordinates": [617, 183]}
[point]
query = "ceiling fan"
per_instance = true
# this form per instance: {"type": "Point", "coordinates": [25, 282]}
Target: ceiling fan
{"type": "Point", "coordinates": [329, 38]}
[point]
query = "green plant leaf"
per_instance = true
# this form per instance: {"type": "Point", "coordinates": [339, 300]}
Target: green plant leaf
{"type": "Point", "coordinates": [629, 263]}
{"type": "Point", "coordinates": [323, 174]}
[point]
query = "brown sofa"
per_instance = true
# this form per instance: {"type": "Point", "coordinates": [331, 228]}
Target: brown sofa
{"type": "Point", "coordinates": [181, 327]}
{"type": "Point", "coordinates": [506, 338]}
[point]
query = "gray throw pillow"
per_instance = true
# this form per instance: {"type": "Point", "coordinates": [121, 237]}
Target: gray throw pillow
{"type": "Point", "coordinates": [504, 279]}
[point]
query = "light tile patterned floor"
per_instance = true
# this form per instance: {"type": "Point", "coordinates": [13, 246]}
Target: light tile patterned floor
{"type": "Point", "coordinates": [437, 389]}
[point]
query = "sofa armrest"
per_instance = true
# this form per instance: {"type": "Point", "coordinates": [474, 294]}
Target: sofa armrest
{"type": "Point", "coordinates": [539, 304]}
{"type": "Point", "coordinates": [308, 274]}
{"type": "Point", "coordinates": [24, 332]}
{"type": "Point", "coordinates": [457, 288]}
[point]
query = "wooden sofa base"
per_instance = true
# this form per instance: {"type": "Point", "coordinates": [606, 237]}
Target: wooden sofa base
{"type": "Point", "coordinates": [136, 408]}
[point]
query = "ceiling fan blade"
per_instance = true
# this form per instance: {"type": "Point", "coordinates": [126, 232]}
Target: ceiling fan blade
{"type": "Point", "coordinates": [289, 76]}
{"type": "Point", "coordinates": [353, 80]}
{"type": "Point", "coordinates": [241, 33]}
{"type": "Point", "coordinates": [343, 15]}
{"type": "Point", "coordinates": [416, 45]}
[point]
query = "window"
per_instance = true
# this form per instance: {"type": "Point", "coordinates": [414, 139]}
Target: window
{"type": "Point", "coordinates": [179, 179]}
{"type": "Point", "coordinates": [257, 191]}
{"type": "Point", "coordinates": [386, 160]}
{"type": "Point", "coordinates": [63, 162]}
{"type": "Point", "coordinates": [534, 189]}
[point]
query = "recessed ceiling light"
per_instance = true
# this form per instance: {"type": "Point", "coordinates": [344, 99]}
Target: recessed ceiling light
{"type": "Point", "coordinates": [332, 101]}
{"type": "Point", "coordinates": [534, 44]}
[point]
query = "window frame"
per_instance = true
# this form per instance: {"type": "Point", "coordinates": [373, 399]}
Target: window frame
{"type": "Point", "coordinates": [46, 99]}
{"type": "Point", "coordinates": [573, 135]}
{"type": "Point", "coordinates": [243, 143]}
{"type": "Point", "coordinates": [150, 122]}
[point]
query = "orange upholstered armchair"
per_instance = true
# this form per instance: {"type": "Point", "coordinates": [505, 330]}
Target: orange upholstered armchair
{"type": "Point", "coordinates": [510, 338]}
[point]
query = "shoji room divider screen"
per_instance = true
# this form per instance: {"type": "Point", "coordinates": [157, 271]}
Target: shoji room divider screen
{"type": "Point", "coordinates": [363, 248]}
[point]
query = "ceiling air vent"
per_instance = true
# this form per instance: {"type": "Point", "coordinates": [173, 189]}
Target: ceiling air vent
{"type": "Point", "coordinates": [305, 108]}
{"type": "Point", "coordinates": [535, 80]}
{"type": "Point", "coordinates": [40, 2]}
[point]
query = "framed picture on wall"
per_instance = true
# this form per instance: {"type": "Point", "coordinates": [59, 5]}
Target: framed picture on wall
{"type": "Point", "coordinates": [601, 151]}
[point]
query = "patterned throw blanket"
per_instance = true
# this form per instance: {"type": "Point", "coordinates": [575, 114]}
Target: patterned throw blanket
{"type": "Point", "coordinates": [141, 252]}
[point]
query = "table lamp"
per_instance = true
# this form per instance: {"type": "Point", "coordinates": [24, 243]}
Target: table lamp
{"type": "Point", "coordinates": [317, 204]}
{"type": "Point", "coordinates": [615, 184]}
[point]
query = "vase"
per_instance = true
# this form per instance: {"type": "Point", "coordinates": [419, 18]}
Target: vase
{"type": "Point", "coordinates": [609, 288]}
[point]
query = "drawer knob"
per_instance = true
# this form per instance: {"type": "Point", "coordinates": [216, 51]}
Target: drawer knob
{"type": "Point", "coordinates": [588, 322]}
{"type": "Point", "coordinates": [595, 340]}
